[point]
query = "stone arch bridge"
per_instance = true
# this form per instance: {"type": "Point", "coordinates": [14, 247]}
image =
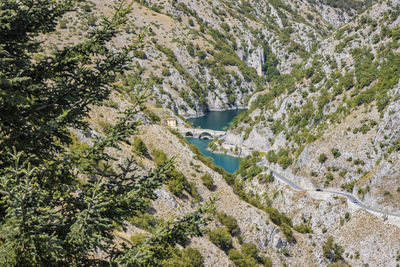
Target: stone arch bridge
{"type": "Point", "coordinates": [200, 133]}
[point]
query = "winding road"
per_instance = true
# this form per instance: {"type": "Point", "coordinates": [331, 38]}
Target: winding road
{"type": "Point", "coordinates": [350, 197]}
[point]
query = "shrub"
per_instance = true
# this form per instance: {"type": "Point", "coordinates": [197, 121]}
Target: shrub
{"type": "Point", "coordinates": [268, 179]}
{"type": "Point", "coordinates": [144, 221]}
{"type": "Point", "coordinates": [177, 182]}
{"type": "Point", "coordinates": [140, 54]}
{"type": "Point", "coordinates": [137, 239]}
{"type": "Point", "coordinates": [303, 229]}
{"type": "Point", "coordinates": [329, 178]}
{"type": "Point", "coordinates": [63, 24]}
{"type": "Point", "coordinates": [139, 146]}
{"type": "Point", "coordinates": [322, 158]}
{"type": "Point", "coordinates": [348, 186]}
{"type": "Point", "coordinates": [277, 217]}
{"type": "Point", "coordinates": [229, 222]}
{"type": "Point", "coordinates": [191, 257]}
{"type": "Point", "coordinates": [160, 157]}
{"type": "Point", "coordinates": [241, 260]}
{"type": "Point", "coordinates": [105, 126]}
{"type": "Point", "coordinates": [288, 233]}
{"type": "Point", "coordinates": [335, 152]}
{"type": "Point", "coordinates": [208, 181]}
{"type": "Point", "coordinates": [221, 238]}
{"type": "Point", "coordinates": [191, 23]}
{"type": "Point", "coordinates": [271, 157]}
{"type": "Point", "coordinates": [166, 72]}
{"type": "Point", "coordinates": [249, 250]}
{"type": "Point", "coordinates": [267, 262]}
{"type": "Point", "coordinates": [332, 251]}
{"type": "Point", "coordinates": [285, 161]}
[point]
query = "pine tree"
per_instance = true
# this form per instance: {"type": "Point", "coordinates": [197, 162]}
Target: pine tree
{"type": "Point", "coordinates": [48, 217]}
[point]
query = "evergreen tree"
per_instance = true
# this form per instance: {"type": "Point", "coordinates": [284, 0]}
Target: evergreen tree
{"type": "Point", "coordinates": [48, 216]}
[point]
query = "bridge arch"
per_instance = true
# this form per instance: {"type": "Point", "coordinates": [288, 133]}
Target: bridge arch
{"type": "Point", "coordinates": [206, 135]}
{"type": "Point", "coordinates": [188, 134]}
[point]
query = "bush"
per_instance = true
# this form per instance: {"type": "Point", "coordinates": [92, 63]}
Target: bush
{"type": "Point", "coordinates": [303, 229]}
{"type": "Point", "coordinates": [191, 257]}
{"type": "Point", "coordinates": [288, 233]}
{"type": "Point", "coordinates": [250, 250]}
{"type": "Point", "coordinates": [271, 157]}
{"type": "Point", "coordinates": [277, 217]}
{"type": "Point", "coordinates": [332, 251]}
{"type": "Point", "coordinates": [348, 186]}
{"type": "Point", "coordinates": [322, 158]}
{"type": "Point", "coordinates": [329, 178]}
{"type": "Point", "coordinates": [268, 179]}
{"type": "Point", "coordinates": [267, 262]}
{"type": "Point", "coordinates": [139, 147]}
{"type": "Point", "coordinates": [137, 239]}
{"type": "Point", "coordinates": [221, 238]}
{"type": "Point", "coordinates": [166, 72]}
{"type": "Point", "coordinates": [160, 157]}
{"type": "Point", "coordinates": [285, 161]}
{"type": "Point", "coordinates": [241, 260]}
{"type": "Point", "coordinates": [335, 152]}
{"type": "Point", "coordinates": [208, 181]}
{"type": "Point", "coordinates": [144, 221]}
{"type": "Point", "coordinates": [140, 54]}
{"type": "Point", "coordinates": [229, 222]}
{"type": "Point", "coordinates": [177, 182]}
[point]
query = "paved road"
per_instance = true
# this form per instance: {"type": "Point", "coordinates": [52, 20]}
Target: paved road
{"type": "Point", "coordinates": [349, 196]}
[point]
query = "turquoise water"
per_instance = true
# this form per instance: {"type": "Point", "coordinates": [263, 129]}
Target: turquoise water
{"type": "Point", "coordinates": [229, 163]}
{"type": "Point", "coordinates": [216, 120]}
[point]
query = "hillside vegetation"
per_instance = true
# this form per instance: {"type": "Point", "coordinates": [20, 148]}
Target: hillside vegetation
{"type": "Point", "coordinates": [92, 176]}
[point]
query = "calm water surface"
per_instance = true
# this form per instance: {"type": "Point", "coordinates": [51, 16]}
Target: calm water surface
{"type": "Point", "coordinates": [216, 120]}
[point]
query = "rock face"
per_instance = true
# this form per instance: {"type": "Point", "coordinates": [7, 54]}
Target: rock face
{"type": "Point", "coordinates": [214, 55]}
{"type": "Point", "coordinates": [323, 114]}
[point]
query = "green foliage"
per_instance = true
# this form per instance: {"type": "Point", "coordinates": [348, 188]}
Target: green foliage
{"type": "Point", "coordinates": [288, 233]}
{"type": "Point", "coordinates": [348, 186]}
{"type": "Point", "coordinates": [332, 251]}
{"type": "Point", "coordinates": [277, 217]}
{"type": "Point", "coordinates": [144, 221]}
{"type": "Point", "coordinates": [271, 157]}
{"type": "Point", "coordinates": [329, 178]}
{"type": "Point", "coordinates": [322, 158]}
{"type": "Point", "coordinates": [283, 158]}
{"type": "Point", "coordinates": [137, 239]}
{"type": "Point", "coordinates": [188, 257]}
{"type": "Point", "coordinates": [248, 168]}
{"type": "Point", "coordinates": [348, 5]}
{"type": "Point", "coordinates": [221, 238]}
{"type": "Point", "coordinates": [208, 181]}
{"type": "Point", "coordinates": [335, 152]}
{"type": "Point", "coordinates": [304, 229]}
{"type": "Point", "coordinates": [267, 262]}
{"type": "Point", "coordinates": [268, 178]}
{"type": "Point", "coordinates": [140, 54]}
{"type": "Point", "coordinates": [61, 201]}
{"type": "Point", "coordinates": [229, 222]}
{"type": "Point", "coordinates": [241, 260]}
{"type": "Point", "coordinates": [139, 146]}
{"type": "Point", "coordinates": [176, 181]}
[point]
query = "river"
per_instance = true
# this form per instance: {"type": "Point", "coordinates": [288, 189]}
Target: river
{"type": "Point", "coordinates": [216, 120]}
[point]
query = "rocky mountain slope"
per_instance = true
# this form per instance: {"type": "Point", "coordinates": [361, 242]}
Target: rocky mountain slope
{"type": "Point", "coordinates": [201, 57]}
{"type": "Point", "coordinates": [334, 121]}
{"type": "Point", "coordinates": [321, 79]}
